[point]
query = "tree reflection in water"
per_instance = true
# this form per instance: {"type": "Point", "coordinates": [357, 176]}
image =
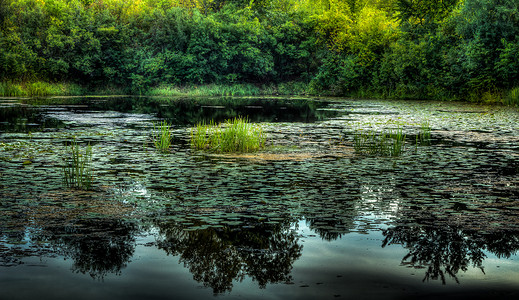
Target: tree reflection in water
{"type": "Point", "coordinates": [218, 256]}
{"type": "Point", "coordinates": [444, 251]}
{"type": "Point", "coordinates": [97, 246]}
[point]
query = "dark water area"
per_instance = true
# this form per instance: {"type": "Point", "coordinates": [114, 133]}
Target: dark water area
{"type": "Point", "coordinates": [306, 218]}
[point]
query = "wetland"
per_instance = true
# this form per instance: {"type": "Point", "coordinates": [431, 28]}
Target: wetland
{"type": "Point", "coordinates": [310, 215]}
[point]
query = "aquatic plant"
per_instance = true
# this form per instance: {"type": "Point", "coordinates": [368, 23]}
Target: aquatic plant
{"type": "Point", "coordinates": [387, 143]}
{"type": "Point", "coordinates": [162, 136]}
{"type": "Point", "coordinates": [77, 171]}
{"type": "Point", "coordinates": [234, 135]}
{"type": "Point", "coordinates": [424, 135]}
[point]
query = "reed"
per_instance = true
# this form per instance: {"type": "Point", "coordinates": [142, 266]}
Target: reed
{"type": "Point", "coordinates": [423, 137]}
{"type": "Point", "coordinates": [234, 135]}
{"type": "Point", "coordinates": [162, 136]}
{"type": "Point", "coordinates": [77, 171]}
{"type": "Point", "coordinates": [388, 143]}
{"type": "Point", "coordinates": [200, 136]}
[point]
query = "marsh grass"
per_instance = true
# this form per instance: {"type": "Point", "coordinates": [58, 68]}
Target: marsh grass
{"type": "Point", "coordinates": [77, 171]}
{"type": "Point", "coordinates": [10, 89]}
{"type": "Point", "coordinates": [512, 98]}
{"type": "Point", "coordinates": [162, 136]}
{"type": "Point", "coordinates": [39, 89]}
{"type": "Point", "coordinates": [387, 143]}
{"type": "Point", "coordinates": [230, 90]}
{"type": "Point", "coordinates": [205, 90]}
{"type": "Point", "coordinates": [423, 138]}
{"type": "Point", "coordinates": [234, 135]}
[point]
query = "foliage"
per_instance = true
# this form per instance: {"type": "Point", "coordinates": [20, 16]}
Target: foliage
{"type": "Point", "coordinates": [448, 49]}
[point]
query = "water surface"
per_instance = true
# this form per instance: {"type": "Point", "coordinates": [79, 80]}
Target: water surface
{"type": "Point", "coordinates": [306, 218]}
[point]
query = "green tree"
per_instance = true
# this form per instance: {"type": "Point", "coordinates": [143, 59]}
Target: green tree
{"type": "Point", "coordinates": [488, 31]}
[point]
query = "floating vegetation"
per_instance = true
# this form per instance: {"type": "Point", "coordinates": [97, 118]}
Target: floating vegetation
{"type": "Point", "coordinates": [77, 171]}
{"type": "Point", "coordinates": [387, 143]}
{"type": "Point", "coordinates": [423, 138]}
{"type": "Point", "coordinates": [162, 136]}
{"type": "Point", "coordinates": [234, 135]}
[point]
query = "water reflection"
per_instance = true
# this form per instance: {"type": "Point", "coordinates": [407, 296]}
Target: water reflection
{"type": "Point", "coordinates": [98, 247]}
{"type": "Point", "coordinates": [218, 208]}
{"type": "Point", "coordinates": [18, 118]}
{"type": "Point", "coordinates": [218, 256]}
{"type": "Point", "coordinates": [179, 111]}
{"type": "Point", "coordinates": [445, 251]}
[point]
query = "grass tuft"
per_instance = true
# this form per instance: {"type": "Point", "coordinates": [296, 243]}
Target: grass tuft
{"type": "Point", "coordinates": [162, 136]}
{"type": "Point", "coordinates": [234, 135]}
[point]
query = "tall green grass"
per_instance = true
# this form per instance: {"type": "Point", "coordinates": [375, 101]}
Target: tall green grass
{"type": "Point", "coordinates": [10, 89]}
{"type": "Point", "coordinates": [205, 90]}
{"type": "Point", "coordinates": [234, 135]}
{"type": "Point", "coordinates": [77, 171]}
{"type": "Point", "coordinates": [387, 143]}
{"type": "Point", "coordinates": [162, 136]}
{"type": "Point", "coordinates": [236, 89]}
{"type": "Point", "coordinates": [512, 98]}
{"type": "Point", "coordinates": [39, 89]}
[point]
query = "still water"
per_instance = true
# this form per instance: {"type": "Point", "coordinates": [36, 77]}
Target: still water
{"type": "Point", "coordinates": [306, 218]}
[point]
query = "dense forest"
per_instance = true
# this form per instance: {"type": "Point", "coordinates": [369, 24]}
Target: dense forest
{"type": "Point", "coordinates": [429, 49]}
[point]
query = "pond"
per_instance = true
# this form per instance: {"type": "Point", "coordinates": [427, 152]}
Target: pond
{"type": "Point", "coordinates": [307, 217]}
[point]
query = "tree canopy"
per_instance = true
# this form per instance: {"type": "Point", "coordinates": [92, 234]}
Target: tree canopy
{"type": "Point", "coordinates": [399, 48]}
